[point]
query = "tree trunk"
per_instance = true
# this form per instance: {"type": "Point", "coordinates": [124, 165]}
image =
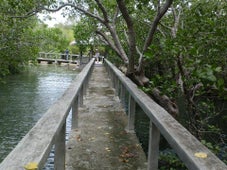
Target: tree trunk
{"type": "Point", "coordinates": [189, 92]}
{"type": "Point", "coordinates": [131, 37]}
{"type": "Point", "coordinates": [165, 102]}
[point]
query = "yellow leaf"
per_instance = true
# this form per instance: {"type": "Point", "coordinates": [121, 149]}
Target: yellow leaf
{"type": "Point", "coordinates": [78, 138]}
{"type": "Point", "coordinates": [31, 166]}
{"type": "Point", "coordinates": [107, 149]}
{"type": "Point", "coordinates": [91, 139]}
{"type": "Point", "coordinates": [201, 155]}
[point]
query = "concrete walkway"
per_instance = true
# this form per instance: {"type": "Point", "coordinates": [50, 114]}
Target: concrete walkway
{"type": "Point", "coordinates": [100, 142]}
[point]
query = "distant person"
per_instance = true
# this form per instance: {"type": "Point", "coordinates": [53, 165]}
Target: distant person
{"type": "Point", "coordinates": [97, 55]}
{"type": "Point", "coordinates": [67, 54]}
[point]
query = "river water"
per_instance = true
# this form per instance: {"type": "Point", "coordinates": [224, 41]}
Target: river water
{"type": "Point", "coordinates": [24, 98]}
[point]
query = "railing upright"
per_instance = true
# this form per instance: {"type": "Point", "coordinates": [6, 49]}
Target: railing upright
{"type": "Point", "coordinates": [131, 114]}
{"type": "Point", "coordinates": [153, 152]}
{"type": "Point", "coordinates": [59, 157]}
{"type": "Point", "coordinates": [122, 94]}
{"type": "Point", "coordinates": [81, 95]}
{"type": "Point", "coordinates": [75, 111]}
{"type": "Point", "coordinates": [117, 84]}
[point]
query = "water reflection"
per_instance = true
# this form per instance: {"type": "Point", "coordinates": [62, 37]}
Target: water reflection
{"type": "Point", "coordinates": [24, 99]}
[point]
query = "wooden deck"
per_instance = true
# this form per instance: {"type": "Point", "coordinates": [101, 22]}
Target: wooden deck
{"type": "Point", "coordinates": [101, 142]}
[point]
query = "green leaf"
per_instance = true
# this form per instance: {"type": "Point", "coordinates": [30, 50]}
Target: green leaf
{"type": "Point", "coordinates": [218, 69]}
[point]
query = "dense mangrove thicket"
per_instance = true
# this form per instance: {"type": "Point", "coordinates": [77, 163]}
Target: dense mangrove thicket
{"type": "Point", "coordinates": [23, 37]}
{"type": "Point", "coordinates": [175, 50]}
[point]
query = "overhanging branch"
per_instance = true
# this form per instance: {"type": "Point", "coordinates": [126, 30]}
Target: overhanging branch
{"type": "Point", "coordinates": [155, 24]}
{"type": "Point", "coordinates": [77, 7]}
{"type": "Point", "coordinates": [109, 42]}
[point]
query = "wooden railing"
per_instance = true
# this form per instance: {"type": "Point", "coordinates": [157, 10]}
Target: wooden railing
{"type": "Point", "coordinates": [36, 146]}
{"type": "Point", "coordinates": [51, 55]}
{"type": "Point", "coordinates": [59, 58]}
{"type": "Point", "coordinates": [194, 154]}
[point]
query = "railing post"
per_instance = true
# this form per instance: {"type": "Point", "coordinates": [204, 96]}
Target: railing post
{"type": "Point", "coordinates": [75, 113]}
{"type": "Point", "coordinates": [59, 158]}
{"type": "Point", "coordinates": [122, 95]}
{"type": "Point", "coordinates": [117, 84]}
{"type": "Point", "coordinates": [85, 87]}
{"type": "Point", "coordinates": [153, 151]}
{"type": "Point", "coordinates": [131, 115]}
{"type": "Point", "coordinates": [112, 79]}
{"type": "Point", "coordinates": [81, 95]}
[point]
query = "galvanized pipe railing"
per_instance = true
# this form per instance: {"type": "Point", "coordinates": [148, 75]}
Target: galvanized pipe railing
{"type": "Point", "coordinates": [194, 154]}
{"type": "Point", "coordinates": [33, 150]}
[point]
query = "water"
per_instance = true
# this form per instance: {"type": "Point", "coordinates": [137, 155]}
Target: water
{"type": "Point", "coordinates": [25, 98]}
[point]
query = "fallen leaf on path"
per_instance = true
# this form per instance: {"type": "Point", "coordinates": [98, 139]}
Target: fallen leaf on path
{"type": "Point", "coordinates": [124, 160]}
{"type": "Point", "coordinates": [107, 149]}
{"type": "Point", "coordinates": [138, 145]}
{"type": "Point", "coordinates": [126, 154]}
{"type": "Point", "coordinates": [78, 138]}
{"type": "Point", "coordinates": [92, 138]}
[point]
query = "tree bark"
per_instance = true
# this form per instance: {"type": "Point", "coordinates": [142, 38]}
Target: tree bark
{"type": "Point", "coordinates": [131, 36]}
{"type": "Point", "coordinates": [160, 14]}
{"type": "Point", "coordinates": [165, 102]}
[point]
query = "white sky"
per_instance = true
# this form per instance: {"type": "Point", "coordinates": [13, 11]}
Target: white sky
{"type": "Point", "coordinates": [56, 18]}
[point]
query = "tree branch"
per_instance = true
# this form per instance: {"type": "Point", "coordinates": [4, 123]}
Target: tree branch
{"type": "Point", "coordinates": [131, 35]}
{"type": "Point", "coordinates": [165, 26]}
{"type": "Point", "coordinates": [151, 33]}
{"type": "Point", "coordinates": [77, 8]}
{"type": "Point", "coordinates": [163, 34]}
{"type": "Point", "coordinates": [115, 16]}
{"type": "Point", "coordinates": [110, 43]}
{"type": "Point", "coordinates": [155, 24]}
{"type": "Point", "coordinates": [41, 8]}
{"type": "Point", "coordinates": [103, 10]}
{"type": "Point", "coordinates": [176, 21]}
{"type": "Point", "coordinates": [31, 13]}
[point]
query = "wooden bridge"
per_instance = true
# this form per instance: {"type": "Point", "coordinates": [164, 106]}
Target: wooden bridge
{"type": "Point", "coordinates": [59, 58]}
{"type": "Point", "coordinates": [98, 135]}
